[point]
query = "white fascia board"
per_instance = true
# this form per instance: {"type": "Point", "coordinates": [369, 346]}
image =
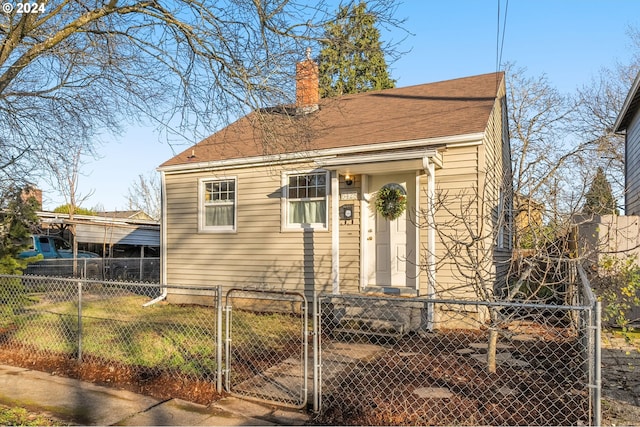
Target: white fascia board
{"type": "Point", "coordinates": [375, 158]}
{"type": "Point", "coordinates": [320, 155]}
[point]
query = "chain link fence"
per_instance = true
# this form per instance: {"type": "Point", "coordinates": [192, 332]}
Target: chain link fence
{"type": "Point", "coordinates": [401, 361]}
{"type": "Point", "coordinates": [113, 330]}
{"type": "Point", "coordinates": [121, 269]}
{"type": "Point", "coordinates": [376, 359]}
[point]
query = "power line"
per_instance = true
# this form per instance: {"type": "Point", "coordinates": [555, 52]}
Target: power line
{"type": "Point", "coordinates": [499, 38]}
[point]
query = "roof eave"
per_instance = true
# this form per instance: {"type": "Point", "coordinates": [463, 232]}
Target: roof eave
{"type": "Point", "coordinates": [298, 157]}
{"type": "Point", "coordinates": [623, 118]}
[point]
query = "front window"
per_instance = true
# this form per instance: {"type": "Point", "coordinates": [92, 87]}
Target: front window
{"type": "Point", "coordinates": [307, 200]}
{"type": "Point", "coordinates": [218, 205]}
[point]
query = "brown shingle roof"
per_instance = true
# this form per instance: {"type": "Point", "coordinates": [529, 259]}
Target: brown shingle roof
{"type": "Point", "coordinates": [453, 107]}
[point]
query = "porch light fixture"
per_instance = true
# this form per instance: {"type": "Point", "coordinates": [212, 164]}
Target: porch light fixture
{"type": "Point", "coordinates": [348, 179]}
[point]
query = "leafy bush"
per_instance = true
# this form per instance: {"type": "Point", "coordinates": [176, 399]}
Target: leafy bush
{"type": "Point", "coordinates": [618, 287]}
{"type": "Point", "coordinates": [13, 299]}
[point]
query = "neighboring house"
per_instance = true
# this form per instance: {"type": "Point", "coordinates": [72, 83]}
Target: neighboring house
{"type": "Point", "coordinates": [628, 121]}
{"type": "Point", "coordinates": [527, 218]}
{"type": "Point", "coordinates": [131, 214]}
{"type": "Point", "coordinates": [108, 236]}
{"type": "Point", "coordinates": [284, 197]}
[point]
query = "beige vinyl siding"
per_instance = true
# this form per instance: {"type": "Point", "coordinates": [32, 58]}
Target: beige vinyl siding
{"type": "Point", "coordinates": [455, 181]}
{"type": "Point", "coordinates": [632, 198]}
{"type": "Point", "coordinates": [471, 182]}
{"type": "Point", "coordinates": [258, 253]}
{"type": "Point", "coordinates": [503, 254]}
{"type": "Point", "coordinates": [499, 188]}
{"type": "Point", "coordinates": [350, 239]}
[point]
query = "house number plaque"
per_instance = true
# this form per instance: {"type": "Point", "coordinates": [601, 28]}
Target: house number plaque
{"type": "Point", "coordinates": [349, 195]}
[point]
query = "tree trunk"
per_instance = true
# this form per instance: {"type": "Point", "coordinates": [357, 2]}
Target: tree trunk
{"type": "Point", "coordinates": [491, 350]}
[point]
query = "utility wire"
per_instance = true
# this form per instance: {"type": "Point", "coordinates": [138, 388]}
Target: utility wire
{"type": "Point", "coordinates": [499, 38]}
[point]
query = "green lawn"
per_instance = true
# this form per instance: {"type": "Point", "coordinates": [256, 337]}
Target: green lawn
{"type": "Point", "coordinates": [162, 336]}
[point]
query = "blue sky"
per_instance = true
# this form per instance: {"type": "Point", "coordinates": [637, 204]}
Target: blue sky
{"type": "Point", "coordinates": [568, 40]}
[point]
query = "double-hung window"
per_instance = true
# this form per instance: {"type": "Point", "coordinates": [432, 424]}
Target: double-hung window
{"type": "Point", "coordinates": [218, 204]}
{"type": "Point", "coordinates": [306, 200]}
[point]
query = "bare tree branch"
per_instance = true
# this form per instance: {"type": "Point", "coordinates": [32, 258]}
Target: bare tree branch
{"type": "Point", "coordinates": [86, 68]}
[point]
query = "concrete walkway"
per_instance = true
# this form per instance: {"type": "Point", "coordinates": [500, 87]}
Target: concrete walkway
{"type": "Point", "coordinates": [83, 403]}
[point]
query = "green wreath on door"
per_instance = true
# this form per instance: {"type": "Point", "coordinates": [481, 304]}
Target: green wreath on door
{"type": "Point", "coordinates": [391, 201]}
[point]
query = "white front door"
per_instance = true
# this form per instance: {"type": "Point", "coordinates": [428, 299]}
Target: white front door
{"type": "Point", "coordinates": [386, 240]}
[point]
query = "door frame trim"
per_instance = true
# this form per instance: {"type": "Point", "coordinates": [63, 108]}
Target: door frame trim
{"type": "Point", "coordinates": [365, 224]}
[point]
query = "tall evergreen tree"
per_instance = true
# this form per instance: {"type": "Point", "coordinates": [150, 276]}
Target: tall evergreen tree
{"type": "Point", "coordinates": [352, 59]}
{"type": "Point", "coordinates": [599, 198]}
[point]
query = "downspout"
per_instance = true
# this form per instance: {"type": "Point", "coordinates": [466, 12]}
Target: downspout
{"type": "Point", "coordinates": [364, 224]}
{"type": "Point", "coordinates": [163, 245]}
{"type": "Point", "coordinates": [335, 233]}
{"type": "Point", "coordinates": [430, 169]}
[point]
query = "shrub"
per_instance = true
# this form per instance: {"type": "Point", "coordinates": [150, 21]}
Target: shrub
{"type": "Point", "coordinates": [618, 287]}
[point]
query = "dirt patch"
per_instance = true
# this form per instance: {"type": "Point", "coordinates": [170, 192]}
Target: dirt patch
{"type": "Point", "coordinates": [390, 390]}
{"type": "Point", "coordinates": [148, 381]}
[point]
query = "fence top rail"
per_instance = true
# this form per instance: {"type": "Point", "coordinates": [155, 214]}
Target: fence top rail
{"type": "Point", "coordinates": [75, 281]}
{"type": "Point", "coordinates": [257, 293]}
{"type": "Point", "coordinates": [425, 300]}
{"type": "Point", "coordinates": [95, 259]}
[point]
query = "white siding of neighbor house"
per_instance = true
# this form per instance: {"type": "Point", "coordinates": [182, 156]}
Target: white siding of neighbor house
{"type": "Point", "coordinates": [258, 253]}
{"type": "Point", "coordinates": [632, 198]}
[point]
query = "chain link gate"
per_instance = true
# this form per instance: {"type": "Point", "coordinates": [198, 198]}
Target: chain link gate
{"type": "Point", "coordinates": [381, 365]}
{"type": "Point", "coordinates": [266, 346]}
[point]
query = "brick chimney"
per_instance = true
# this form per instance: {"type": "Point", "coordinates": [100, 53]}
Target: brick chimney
{"type": "Point", "coordinates": [36, 193]}
{"type": "Point", "coordinates": [307, 85]}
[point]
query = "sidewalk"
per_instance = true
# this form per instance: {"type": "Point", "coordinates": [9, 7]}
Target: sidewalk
{"type": "Point", "coordinates": [83, 403]}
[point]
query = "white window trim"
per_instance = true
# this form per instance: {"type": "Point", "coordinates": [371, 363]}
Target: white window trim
{"type": "Point", "coordinates": [284, 202]}
{"type": "Point", "coordinates": [217, 229]}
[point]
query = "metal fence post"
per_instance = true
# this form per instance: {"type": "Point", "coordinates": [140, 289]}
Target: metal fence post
{"type": "Point", "coordinates": [317, 370]}
{"type": "Point", "coordinates": [227, 346]}
{"type": "Point", "coordinates": [79, 320]}
{"type": "Point", "coordinates": [597, 395]}
{"type": "Point", "coordinates": [219, 347]}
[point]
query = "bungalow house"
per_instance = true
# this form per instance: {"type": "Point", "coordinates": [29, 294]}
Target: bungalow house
{"type": "Point", "coordinates": [289, 198]}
